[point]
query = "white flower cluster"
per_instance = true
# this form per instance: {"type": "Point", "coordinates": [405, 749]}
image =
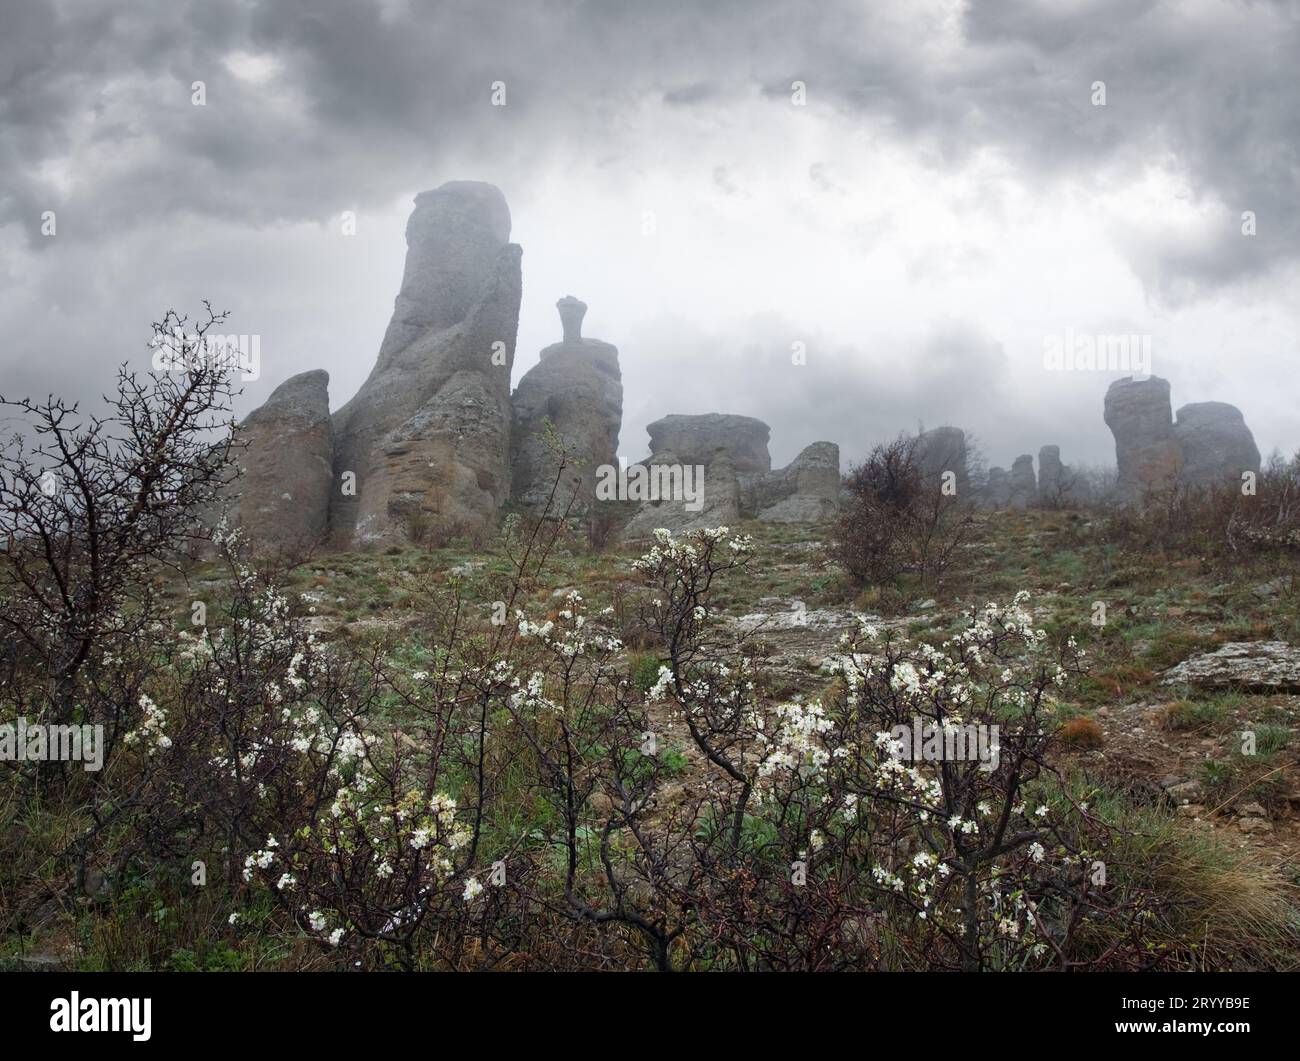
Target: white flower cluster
{"type": "Point", "coordinates": [568, 635]}
{"type": "Point", "coordinates": [796, 749]}
{"type": "Point", "coordinates": [676, 555]}
{"type": "Point", "coordinates": [150, 732]}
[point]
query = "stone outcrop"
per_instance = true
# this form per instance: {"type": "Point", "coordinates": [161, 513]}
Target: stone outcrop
{"type": "Point", "coordinates": [1216, 444]}
{"type": "Point", "coordinates": [719, 500]}
{"type": "Point", "coordinates": [1209, 442]}
{"type": "Point", "coordinates": [739, 482]}
{"type": "Point", "coordinates": [1021, 483]}
{"type": "Point", "coordinates": [577, 388]}
{"type": "Point", "coordinates": [1055, 482]}
{"type": "Point", "coordinates": [285, 450]}
{"type": "Point", "coordinates": [1248, 666]}
{"type": "Point", "coordinates": [940, 450]}
{"type": "Point", "coordinates": [427, 436]}
{"type": "Point", "coordinates": [1146, 452]}
{"type": "Point", "coordinates": [806, 490]}
{"type": "Point", "coordinates": [700, 439]}
{"type": "Point", "coordinates": [997, 489]}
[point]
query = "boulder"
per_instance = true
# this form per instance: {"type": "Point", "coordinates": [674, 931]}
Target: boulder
{"type": "Point", "coordinates": [1216, 444]}
{"type": "Point", "coordinates": [427, 437]}
{"type": "Point", "coordinates": [720, 501]}
{"type": "Point", "coordinates": [806, 490]}
{"type": "Point", "coordinates": [1251, 666]}
{"type": "Point", "coordinates": [577, 388]}
{"type": "Point", "coordinates": [997, 489]}
{"type": "Point", "coordinates": [700, 439]}
{"type": "Point", "coordinates": [940, 450]}
{"type": "Point", "coordinates": [285, 451]}
{"type": "Point", "coordinates": [1055, 484]}
{"type": "Point", "coordinates": [1021, 484]}
{"type": "Point", "coordinates": [1146, 452]}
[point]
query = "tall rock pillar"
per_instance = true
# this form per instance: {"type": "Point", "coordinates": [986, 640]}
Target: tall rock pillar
{"type": "Point", "coordinates": [427, 437]}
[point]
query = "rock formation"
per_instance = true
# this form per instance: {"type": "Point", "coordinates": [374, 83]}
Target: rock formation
{"type": "Point", "coordinates": [718, 499]}
{"type": "Point", "coordinates": [577, 388]}
{"type": "Point", "coordinates": [738, 480]}
{"type": "Point", "coordinates": [285, 451]}
{"type": "Point", "coordinates": [1146, 452]}
{"type": "Point", "coordinates": [1022, 486]}
{"type": "Point", "coordinates": [806, 490]}
{"type": "Point", "coordinates": [943, 449]}
{"type": "Point", "coordinates": [1054, 482]}
{"type": "Point", "coordinates": [1247, 666]}
{"type": "Point", "coordinates": [997, 490]}
{"type": "Point", "coordinates": [1216, 444]}
{"type": "Point", "coordinates": [700, 439]}
{"type": "Point", "coordinates": [1209, 443]}
{"type": "Point", "coordinates": [427, 436]}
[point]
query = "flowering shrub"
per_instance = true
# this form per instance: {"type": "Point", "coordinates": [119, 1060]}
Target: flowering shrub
{"type": "Point", "coordinates": [968, 861]}
{"type": "Point", "coordinates": [512, 797]}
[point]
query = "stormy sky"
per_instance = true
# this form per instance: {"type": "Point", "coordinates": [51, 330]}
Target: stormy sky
{"type": "Point", "coordinates": [942, 196]}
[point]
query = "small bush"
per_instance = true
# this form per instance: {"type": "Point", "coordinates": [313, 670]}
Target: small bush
{"type": "Point", "coordinates": [1082, 733]}
{"type": "Point", "coordinates": [899, 520]}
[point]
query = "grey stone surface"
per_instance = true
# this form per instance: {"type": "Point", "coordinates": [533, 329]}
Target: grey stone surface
{"type": "Point", "coordinates": [943, 449]}
{"type": "Point", "coordinates": [1216, 444]}
{"type": "Point", "coordinates": [1051, 473]}
{"type": "Point", "coordinates": [721, 501]}
{"type": "Point", "coordinates": [1261, 666]}
{"type": "Point", "coordinates": [285, 450]}
{"type": "Point", "coordinates": [1146, 452]}
{"type": "Point", "coordinates": [699, 439]}
{"type": "Point", "coordinates": [997, 489]}
{"type": "Point", "coordinates": [1021, 483]}
{"type": "Point", "coordinates": [428, 433]}
{"type": "Point", "coordinates": [577, 387]}
{"type": "Point", "coordinates": [806, 490]}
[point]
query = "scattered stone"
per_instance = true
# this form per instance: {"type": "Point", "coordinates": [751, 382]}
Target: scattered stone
{"type": "Point", "coordinates": [1186, 792]}
{"type": "Point", "coordinates": [1272, 588]}
{"type": "Point", "coordinates": [467, 568]}
{"type": "Point", "coordinates": [1250, 826]}
{"type": "Point", "coordinates": [34, 963]}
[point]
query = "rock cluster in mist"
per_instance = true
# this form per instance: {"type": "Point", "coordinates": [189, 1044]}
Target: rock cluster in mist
{"type": "Point", "coordinates": [1207, 443]}
{"type": "Point", "coordinates": [434, 440]}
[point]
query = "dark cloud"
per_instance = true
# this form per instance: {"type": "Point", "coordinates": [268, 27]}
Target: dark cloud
{"type": "Point", "coordinates": [315, 107]}
{"type": "Point", "coordinates": [368, 96]}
